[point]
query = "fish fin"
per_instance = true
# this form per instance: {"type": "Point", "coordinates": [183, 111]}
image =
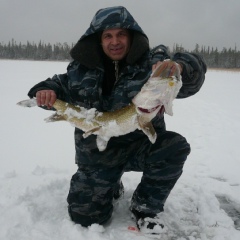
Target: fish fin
{"type": "Point", "coordinates": [168, 108]}
{"type": "Point", "coordinates": [55, 118]}
{"type": "Point", "coordinates": [28, 103]}
{"type": "Point", "coordinates": [102, 143]}
{"type": "Point", "coordinates": [147, 128]}
{"type": "Point", "coordinates": [89, 132]}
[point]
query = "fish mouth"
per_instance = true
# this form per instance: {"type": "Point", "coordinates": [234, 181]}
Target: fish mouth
{"type": "Point", "coordinates": [157, 91]}
{"type": "Point", "coordinates": [144, 110]}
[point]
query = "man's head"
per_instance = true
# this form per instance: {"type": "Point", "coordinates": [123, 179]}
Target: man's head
{"type": "Point", "coordinates": [116, 43]}
{"type": "Point", "coordinates": [130, 45]}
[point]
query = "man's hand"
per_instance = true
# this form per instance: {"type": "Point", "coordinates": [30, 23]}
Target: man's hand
{"type": "Point", "coordinates": [172, 68]}
{"type": "Point", "coordinates": [46, 98]}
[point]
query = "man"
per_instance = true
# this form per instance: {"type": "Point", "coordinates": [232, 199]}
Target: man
{"type": "Point", "coordinates": [111, 62]}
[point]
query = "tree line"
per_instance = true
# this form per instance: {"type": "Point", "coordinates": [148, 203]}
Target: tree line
{"type": "Point", "coordinates": [225, 58]}
{"type": "Point", "coordinates": [33, 51]}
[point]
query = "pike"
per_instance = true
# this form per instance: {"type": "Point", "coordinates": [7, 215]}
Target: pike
{"type": "Point", "coordinates": [160, 90]}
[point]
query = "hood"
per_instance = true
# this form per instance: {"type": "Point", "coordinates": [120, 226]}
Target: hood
{"type": "Point", "coordinates": [88, 49]}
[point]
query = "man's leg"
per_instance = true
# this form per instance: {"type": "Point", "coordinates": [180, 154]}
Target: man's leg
{"type": "Point", "coordinates": [162, 168]}
{"type": "Point", "coordinates": [91, 194]}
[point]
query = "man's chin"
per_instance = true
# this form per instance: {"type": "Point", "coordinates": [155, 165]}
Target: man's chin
{"type": "Point", "coordinates": [116, 57]}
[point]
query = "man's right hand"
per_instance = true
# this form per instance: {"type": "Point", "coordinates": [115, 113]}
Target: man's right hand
{"type": "Point", "coordinates": [166, 68]}
{"type": "Point", "coordinates": [46, 98]}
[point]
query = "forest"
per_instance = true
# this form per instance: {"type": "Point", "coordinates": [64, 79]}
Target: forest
{"type": "Point", "coordinates": [215, 58]}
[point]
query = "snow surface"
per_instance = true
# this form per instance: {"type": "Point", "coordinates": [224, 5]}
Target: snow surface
{"type": "Point", "coordinates": [37, 162]}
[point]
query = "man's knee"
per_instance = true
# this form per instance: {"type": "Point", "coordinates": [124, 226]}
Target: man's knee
{"type": "Point", "coordinates": [88, 218]}
{"type": "Point", "coordinates": [91, 194]}
{"type": "Point", "coordinates": [178, 146]}
{"type": "Point", "coordinates": [170, 146]}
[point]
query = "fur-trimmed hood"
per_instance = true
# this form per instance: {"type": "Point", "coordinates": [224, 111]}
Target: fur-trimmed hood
{"type": "Point", "coordinates": [88, 49]}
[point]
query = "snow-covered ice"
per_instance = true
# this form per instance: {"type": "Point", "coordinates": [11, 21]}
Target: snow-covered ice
{"type": "Point", "coordinates": [37, 162]}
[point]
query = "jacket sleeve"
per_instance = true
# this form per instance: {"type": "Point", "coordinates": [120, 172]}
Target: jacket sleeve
{"type": "Point", "coordinates": [159, 53]}
{"type": "Point", "coordinates": [193, 74]}
{"type": "Point", "coordinates": [57, 83]}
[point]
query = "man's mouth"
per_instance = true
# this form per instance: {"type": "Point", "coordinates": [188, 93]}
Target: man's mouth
{"type": "Point", "coordinates": [116, 50]}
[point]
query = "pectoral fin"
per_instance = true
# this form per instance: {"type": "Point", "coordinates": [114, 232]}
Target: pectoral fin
{"type": "Point", "coordinates": [93, 130]}
{"type": "Point", "coordinates": [55, 118]}
{"type": "Point", "coordinates": [148, 129]}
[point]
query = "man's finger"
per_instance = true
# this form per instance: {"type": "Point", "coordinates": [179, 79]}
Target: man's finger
{"type": "Point", "coordinates": [52, 98]}
{"type": "Point", "coordinates": [47, 98]}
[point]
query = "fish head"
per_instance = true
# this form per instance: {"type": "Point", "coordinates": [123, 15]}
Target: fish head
{"type": "Point", "coordinates": [160, 90]}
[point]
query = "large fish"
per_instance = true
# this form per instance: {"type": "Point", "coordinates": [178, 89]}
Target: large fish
{"type": "Point", "coordinates": [160, 90]}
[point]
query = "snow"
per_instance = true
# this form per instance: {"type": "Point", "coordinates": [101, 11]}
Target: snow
{"type": "Point", "coordinates": [37, 162]}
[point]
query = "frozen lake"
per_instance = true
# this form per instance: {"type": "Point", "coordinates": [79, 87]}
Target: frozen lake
{"type": "Point", "coordinates": [37, 162]}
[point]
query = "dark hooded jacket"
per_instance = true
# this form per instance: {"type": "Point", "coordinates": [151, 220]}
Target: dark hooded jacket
{"type": "Point", "coordinates": [83, 82]}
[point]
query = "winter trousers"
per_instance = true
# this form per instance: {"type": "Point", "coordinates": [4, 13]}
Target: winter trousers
{"type": "Point", "coordinates": [92, 189]}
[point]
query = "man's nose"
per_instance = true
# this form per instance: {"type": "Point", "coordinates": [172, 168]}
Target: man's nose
{"type": "Point", "coordinates": [115, 40]}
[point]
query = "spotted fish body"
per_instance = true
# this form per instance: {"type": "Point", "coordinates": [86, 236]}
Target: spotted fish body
{"type": "Point", "coordinates": [160, 90]}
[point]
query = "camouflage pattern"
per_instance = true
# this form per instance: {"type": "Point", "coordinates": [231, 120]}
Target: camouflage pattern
{"type": "Point", "coordinates": [112, 17]}
{"type": "Point", "coordinates": [92, 188]}
{"type": "Point", "coordinates": [99, 173]}
{"type": "Point", "coordinates": [162, 166]}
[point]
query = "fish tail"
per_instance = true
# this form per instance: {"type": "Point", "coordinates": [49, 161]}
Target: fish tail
{"type": "Point", "coordinates": [28, 103]}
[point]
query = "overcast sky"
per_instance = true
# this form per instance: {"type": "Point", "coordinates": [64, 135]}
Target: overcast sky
{"type": "Point", "coordinates": [213, 23]}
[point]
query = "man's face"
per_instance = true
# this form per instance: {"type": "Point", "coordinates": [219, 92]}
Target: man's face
{"type": "Point", "coordinates": [115, 43]}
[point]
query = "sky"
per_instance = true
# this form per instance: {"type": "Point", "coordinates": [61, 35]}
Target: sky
{"type": "Point", "coordinates": [212, 23]}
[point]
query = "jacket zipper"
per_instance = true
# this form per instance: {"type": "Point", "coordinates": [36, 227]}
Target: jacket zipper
{"type": "Point", "coordinates": [116, 65]}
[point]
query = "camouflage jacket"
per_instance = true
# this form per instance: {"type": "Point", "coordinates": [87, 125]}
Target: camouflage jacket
{"type": "Point", "coordinates": [82, 84]}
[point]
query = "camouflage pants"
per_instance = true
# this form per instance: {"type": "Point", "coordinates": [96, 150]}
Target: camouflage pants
{"type": "Point", "coordinates": [92, 189]}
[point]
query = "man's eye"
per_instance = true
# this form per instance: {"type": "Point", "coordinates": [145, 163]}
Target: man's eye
{"type": "Point", "coordinates": [107, 36]}
{"type": "Point", "coordinates": [122, 34]}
